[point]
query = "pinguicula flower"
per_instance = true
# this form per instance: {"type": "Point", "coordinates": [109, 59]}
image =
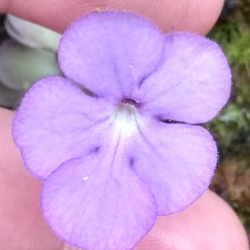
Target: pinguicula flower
{"type": "Point", "coordinates": [129, 150]}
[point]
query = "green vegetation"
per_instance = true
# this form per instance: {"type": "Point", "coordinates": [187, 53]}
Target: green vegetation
{"type": "Point", "coordinates": [231, 128]}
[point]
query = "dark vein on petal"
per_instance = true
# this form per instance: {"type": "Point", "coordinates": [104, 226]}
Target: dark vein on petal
{"type": "Point", "coordinates": [81, 87]}
{"type": "Point", "coordinates": [143, 79]}
{"type": "Point", "coordinates": [168, 121]}
{"type": "Point", "coordinates": [114, 154]}
{"type": "Point", "coordinates": [154, 70]}
{"type": "Point", "coordinates": [148, 142]}
{"type": "Point", "coordinates": [117, 76]}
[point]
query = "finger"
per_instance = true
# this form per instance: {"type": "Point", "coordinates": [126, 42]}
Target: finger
{"type": "Point", "coordinates": [22, 225]}
{"type": "Point", "coordinates": [207, 224]}
{"type": "Point", "coordinates": [180, 15]}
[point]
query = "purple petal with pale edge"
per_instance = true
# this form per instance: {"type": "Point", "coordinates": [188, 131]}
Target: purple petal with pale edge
{"type": "Point", "coordinates": [177, 161]}
{"type": "Point", "coordinates": [111, 52]}
{"type": "Point", "coordinates": [193, 82]}
{"type": "Point", "coordinates": [57, 122]}
{"type": "Point", "coordinates": [88, 205]}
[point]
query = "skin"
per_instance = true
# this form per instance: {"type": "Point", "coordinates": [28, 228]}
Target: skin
{"type": "Point", "coordinates": [207, 224]}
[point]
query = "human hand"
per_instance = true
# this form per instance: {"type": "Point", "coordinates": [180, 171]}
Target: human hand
{"type": "Point", "coordinates": [207, 224]}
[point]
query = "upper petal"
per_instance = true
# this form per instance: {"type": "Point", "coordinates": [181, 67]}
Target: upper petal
{"type": "Point", "coordinates": [177, 161]}
{"type": "Point", "coordinates": [110, 52]}
{"type": "Point", "coordinates": [57, 122]}
{"type": "Point", "coordinates": [88, 205]}
{"type": "Point", "coordinates": [192, 83]}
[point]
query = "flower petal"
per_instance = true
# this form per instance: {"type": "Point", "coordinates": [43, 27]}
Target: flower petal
{"type": "Point", "coordinates": [88, 205]}
{"type": "Point", "coordinates": [57, 122]}
{"type": "Point", "coordinates": [110, 52]}
{"type": "Point", "coordinates": [193, 82]}
{"type": "Point", "coordinates": [177, 161]}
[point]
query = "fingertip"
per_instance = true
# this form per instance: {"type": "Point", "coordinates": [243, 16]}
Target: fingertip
{"type": "Point", "coordinates": [209, 223]}
{"type": "Point", "coordinates": [182, 15]}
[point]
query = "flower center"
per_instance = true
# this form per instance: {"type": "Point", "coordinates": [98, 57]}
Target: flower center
{"type": "Point", "coordinates": [125, 117]}
{"type": "Point", "coordinates": [130, 102]}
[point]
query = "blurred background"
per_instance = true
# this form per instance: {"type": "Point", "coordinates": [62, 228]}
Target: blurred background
{"type": "Point", "coordinates": [28, 53]}
{"type": "Point", "coordinates": [231, 128]}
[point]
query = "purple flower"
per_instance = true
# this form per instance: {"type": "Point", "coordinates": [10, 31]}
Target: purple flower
{"type": "Point", "coordinates": [114, 160]}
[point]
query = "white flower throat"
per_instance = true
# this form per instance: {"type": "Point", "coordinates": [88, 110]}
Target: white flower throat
{"type": "Point", "coordinates": [125, 118]}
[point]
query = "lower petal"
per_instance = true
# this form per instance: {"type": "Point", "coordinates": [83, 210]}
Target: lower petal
{"type": "Point", "coordinates": [177, 161]}
{"type": "Point", "coordinates": [89, 206]}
